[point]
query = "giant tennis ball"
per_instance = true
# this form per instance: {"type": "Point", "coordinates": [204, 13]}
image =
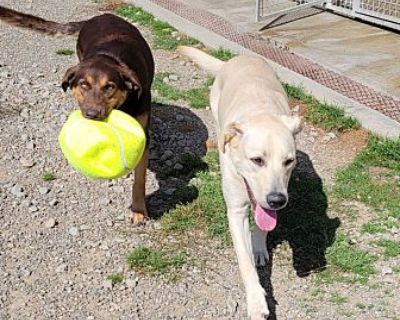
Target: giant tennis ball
{"type": "Point", "coordinates": [102, 149]}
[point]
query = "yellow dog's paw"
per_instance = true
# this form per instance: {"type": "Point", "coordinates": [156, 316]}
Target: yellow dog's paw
{"type": "Point", "coordinates": [257, 308]}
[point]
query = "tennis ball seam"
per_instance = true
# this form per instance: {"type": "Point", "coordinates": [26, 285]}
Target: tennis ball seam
{"type": "Point", "coordinates": [120, 143]}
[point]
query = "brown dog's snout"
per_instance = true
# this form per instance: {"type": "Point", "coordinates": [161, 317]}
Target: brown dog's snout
{"type": "Point", "coordinates": [91, 114]}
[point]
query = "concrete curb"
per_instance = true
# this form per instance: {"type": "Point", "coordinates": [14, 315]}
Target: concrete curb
{"type": "Point", "coordinates": [370, 119]}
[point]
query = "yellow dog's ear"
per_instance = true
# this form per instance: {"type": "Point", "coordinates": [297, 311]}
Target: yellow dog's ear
{"type": "Point", "coordinates": [293, 123]}
{"type": "Point", "coordinates": [232, 130]}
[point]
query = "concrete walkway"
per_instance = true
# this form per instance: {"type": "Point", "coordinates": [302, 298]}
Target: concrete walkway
{"type": "Point", "coordinates": [338, 60]}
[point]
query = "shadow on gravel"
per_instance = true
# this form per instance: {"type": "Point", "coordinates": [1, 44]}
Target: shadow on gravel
{"type": "Point", "coordinates": [177, 147]}
{"type": "Point", "coordinates": [304, 224]}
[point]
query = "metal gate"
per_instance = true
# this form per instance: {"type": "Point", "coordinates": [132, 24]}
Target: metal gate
{"type": "Point", "coordinates": [382, 12]}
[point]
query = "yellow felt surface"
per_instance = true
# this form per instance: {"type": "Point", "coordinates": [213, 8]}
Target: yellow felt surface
{"type": "Point", "coordinates": [98, 149]}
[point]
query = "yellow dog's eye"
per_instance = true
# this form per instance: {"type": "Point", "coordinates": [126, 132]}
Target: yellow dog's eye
{"type": "Point", "coordinates": [288, 162]}
{"type": "Point", "coordinates": [258, 161]}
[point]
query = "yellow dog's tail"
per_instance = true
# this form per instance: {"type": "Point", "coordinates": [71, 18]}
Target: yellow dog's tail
{"type": "Point", "coordinates": [204, 60]}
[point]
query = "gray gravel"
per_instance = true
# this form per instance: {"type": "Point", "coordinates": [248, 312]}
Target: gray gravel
{"type": "Point", "coordinates": [60, 239]}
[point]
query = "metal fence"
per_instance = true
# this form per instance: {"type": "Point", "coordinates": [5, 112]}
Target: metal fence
{"type": "Point", "coordinates": [381, 12]}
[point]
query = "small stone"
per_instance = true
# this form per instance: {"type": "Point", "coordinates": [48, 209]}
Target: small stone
{"type": "Point", "coordinates": [24, 113]}
{"type": "Point", "coordinates": [387, 270]}
{"type": "Point", "coordinates": [27, 163]}
{"type": "Point", "coordinates": [169, 191]}
{"type": "Point", "coordinates": [168, 163]}
{"type": "Point", "coordinates": [107, 284]}
{"type": "Point", "coordinates": [51, 223]}
{"type": "Point", "coordinates": [62, 268]}
{"type": "Point", "coordinates": [165, 80]}
{"type": "Point", "coordinates": [118, 189]}
{"type": "Point", "coordinates": [105, 201]}
{"type": "Point", "coordinates": [18, 191]}
{"type": "Point", "coordinates": [53, 202]}
{"type": "Point", "coordinates": [173, 77]}
{"type": "Point", "coordinates": [109, 223]}
{"type": "Point", "coordinates": [33, 208]}
{"type": "Point", "coordinates": [73, 231]}
{"type": "Point", "coordinates": [30, 145]}
{"type": "Point", "coordinates": [131, 283]}
{"type": "Point", "coordinates": [44, 190]}
{"type": "Point", "coordinates": [166, 155]}
{"type": "Point", "coordinates": [178, 166]}
{"type": "Point", "coordinates": [179, 117]}
{"type": "Point", "coordinates": [24, 137]}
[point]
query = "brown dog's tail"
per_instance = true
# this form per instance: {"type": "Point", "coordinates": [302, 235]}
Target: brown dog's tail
{"type": "Point", "coordinates": [28, 21]}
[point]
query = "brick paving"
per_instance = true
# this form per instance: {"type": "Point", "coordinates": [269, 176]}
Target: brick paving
{"type": "Point", "coordinates": [388, 105]}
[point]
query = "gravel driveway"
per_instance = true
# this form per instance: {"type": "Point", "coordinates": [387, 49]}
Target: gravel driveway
{"type": "Point", "coordinates": [60, 239]}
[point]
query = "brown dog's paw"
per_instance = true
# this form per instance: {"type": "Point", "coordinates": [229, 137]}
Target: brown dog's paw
{"type": "Point", "coordinates": [139, 218]}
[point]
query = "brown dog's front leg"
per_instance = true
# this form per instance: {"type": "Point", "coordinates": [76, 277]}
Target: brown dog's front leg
{"type": "Point", "coordinates": [139, 213]}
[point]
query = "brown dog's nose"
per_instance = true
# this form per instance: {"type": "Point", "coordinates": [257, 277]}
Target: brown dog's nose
{"type": "Point", "coordinates": [91, 114]}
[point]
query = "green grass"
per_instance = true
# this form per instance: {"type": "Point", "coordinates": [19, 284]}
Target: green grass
{"type": "Point", "coordinates": [164, 33]}
{"type": "Point", "coordinates": [344, 257]}
{"type": "Point", "coordinates": [373, 228]}
{"type": "Point", "coordinates": [115, 278]}
{"type": "Point", "coordinates": [222, 54]}
{"type": "Point", "coordinates": [396, 270]}
{"type": "Point", "coordinates": [207, 211]}
{"type": "Point", "coordinates": [48, 176]}
{"type": "Point", "coordinates": [336, 298]}
{"type": "Point", "coordinates": [65, 52]}
{"type": "Point", "coordinates": [372, 178]}
{"type": "Point", "coordinates": [155, 262]}
{"type": "Point", "coordinates": [391, 247]}
{"type": "Point", "coordinates": [324, 115]}
{"type": "Point", "coordinates": [196, 97]}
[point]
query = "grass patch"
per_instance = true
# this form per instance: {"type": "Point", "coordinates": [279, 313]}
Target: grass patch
{"type": "Point", "coordinates": [336, 298]}
{"type": "Point", "coordinates": [396, 270]}
{"type": "Point", "coordinates": [165, 36]}
{"type": "Point", "coordinates": [222, 54]}
{"type": "Point", "coordinates": [372, 228]}
{"type": "Point", "coordinates": [326, 116]}
{"type": "Point", "coordinates": [391, 247]}
{"type": "Point", "coordinates": [196, 97]}
{"type": "Point", "coordinates": [155, 262]}
{"type": "Point", "coordinates": [344, 257]}
{"type": "Point", "coordinates": [373, 178]}
{"type": "Point", "coordinates": [115, 278]}
{"type": "Point", "coordinates": [207, 211]}
{"type": "Point", "coordinates": [48, 176]}
{"type": "Point", "coordinates": [65, 52]}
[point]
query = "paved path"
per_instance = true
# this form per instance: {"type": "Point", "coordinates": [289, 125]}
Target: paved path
{"type": "Point", "coordinates": [358, 93]}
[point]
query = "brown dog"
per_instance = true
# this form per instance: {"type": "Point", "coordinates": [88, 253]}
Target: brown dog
{"type": "Point", "coordinates": [116, 70]}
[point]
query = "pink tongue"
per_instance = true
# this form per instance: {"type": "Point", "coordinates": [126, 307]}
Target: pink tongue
{"type": "Point", "coordinates": [265, 219]}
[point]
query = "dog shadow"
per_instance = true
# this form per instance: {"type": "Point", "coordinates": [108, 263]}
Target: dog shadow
{"type": "Point", "coordinates": [177, 146]}
{"type": "Point", "coordinates": [304, 224]}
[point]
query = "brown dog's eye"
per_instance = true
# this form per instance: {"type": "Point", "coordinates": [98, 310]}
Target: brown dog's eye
{"type": "Point", "coordinates": [288, 162]}
{"type": "Point", "coordinates": [258, 161]}
{"type": "Point", "coordinates": [83, 84]}
{"type": "Point", "coordinates": [109, 88]}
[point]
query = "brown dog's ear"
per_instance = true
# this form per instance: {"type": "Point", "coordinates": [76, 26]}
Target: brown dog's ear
{"type": "Point", "coordinates": [69, 76]}
{"type": "Point", "coordinates": [233, 130]}
{"type": "Point", "coordinates": [131, 80]}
